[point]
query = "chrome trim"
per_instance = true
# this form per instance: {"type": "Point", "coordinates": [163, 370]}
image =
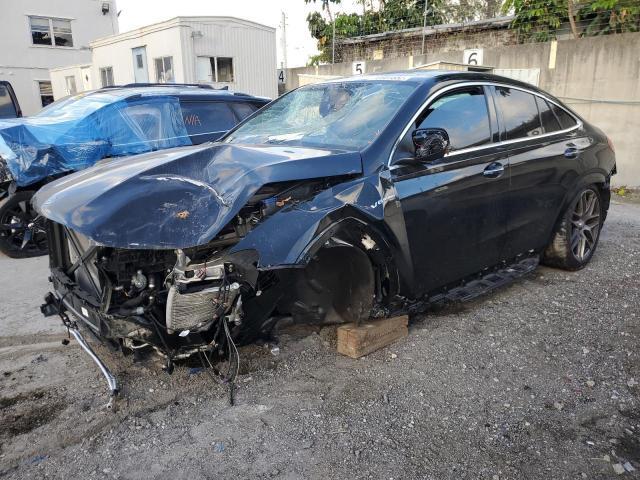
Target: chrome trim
{"type": "Point", "coordinates": [431, 98]}
{"type": "Point", "coordinates": [112, 382]}
{"type": "Point", "coordinates": [111, 379]}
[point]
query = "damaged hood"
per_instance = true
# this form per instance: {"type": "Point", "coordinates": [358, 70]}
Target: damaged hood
{"type": "Point", "coordinates": [178, 198]}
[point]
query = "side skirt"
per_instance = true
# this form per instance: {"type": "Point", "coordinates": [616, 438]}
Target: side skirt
{"type": "Point", "coordinates": [489, 282]}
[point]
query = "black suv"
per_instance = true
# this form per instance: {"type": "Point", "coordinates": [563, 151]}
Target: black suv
{"type": "Point", "coordinates": [78, 131]}
{"type": "Point", "coordinates": [338, 201]}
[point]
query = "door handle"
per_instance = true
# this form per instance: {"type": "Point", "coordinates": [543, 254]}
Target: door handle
{"type": "Point", "coordinates": [571, 152]}
{"type": "Point", "coordinates": [493, 170]}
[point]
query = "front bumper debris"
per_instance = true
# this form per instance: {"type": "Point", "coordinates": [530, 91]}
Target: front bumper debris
{"type": "Point", "coordinates": [58, 306]}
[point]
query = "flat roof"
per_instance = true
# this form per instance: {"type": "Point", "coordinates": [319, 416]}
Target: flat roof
{"type": "Point", "coordinates": [175, 22]}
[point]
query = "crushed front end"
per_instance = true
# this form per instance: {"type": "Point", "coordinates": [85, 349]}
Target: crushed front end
{"type": "Point", "coordinates": [173, 301]}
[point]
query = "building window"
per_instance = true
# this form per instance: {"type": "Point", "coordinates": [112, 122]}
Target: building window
{"type": "Point", "coordinates": [106, 76]}
{"type": "Point", "coordinates": [54, 32]}
{"type": "Point", "coordinates": [72, 89]}
{"type": "Point", "coordinates": [46, 93]}
{"type": "Point", "coordinates": [215, 69]}
{"type": "Point", "coordinates": [164, 70]}
{"type": "Point", "coordinates": [224, 69]}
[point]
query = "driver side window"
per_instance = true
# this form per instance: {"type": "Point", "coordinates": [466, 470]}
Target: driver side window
{"type": "Point", "coordinates": [462, 113]}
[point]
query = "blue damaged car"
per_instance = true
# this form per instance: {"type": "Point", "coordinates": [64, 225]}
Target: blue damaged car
{"type": "Point", "coordinates": [339, 201]}
{"type": "Point", "coordinates": [76, 132]}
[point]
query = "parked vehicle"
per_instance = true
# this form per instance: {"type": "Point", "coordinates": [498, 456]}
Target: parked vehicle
{"type": "Point", "coordinates": [9, 106]}
{"type": "Point", "coordinates": [76, 132]}
{"type": "Point", "coordinates": [337, 200]}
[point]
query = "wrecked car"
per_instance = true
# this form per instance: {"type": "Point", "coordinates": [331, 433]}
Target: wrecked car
{"type": "Point", "coordinates": [76, 132]}
{"type": "Point", "coordinates": [338, 201]}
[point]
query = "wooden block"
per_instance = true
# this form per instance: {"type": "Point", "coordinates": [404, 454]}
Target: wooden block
{"type": "Point", "coordinates": [356, 341]}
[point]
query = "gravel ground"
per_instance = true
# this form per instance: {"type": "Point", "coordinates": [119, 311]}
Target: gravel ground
{"type": "Point", "coordinates": [536, 381]}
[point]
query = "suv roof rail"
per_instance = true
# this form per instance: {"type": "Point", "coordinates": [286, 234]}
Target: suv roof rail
{"type": "Point", "coordinates": [195, 85]}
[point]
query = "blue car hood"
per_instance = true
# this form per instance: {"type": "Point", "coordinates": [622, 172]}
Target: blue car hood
{"type": "Point", "coordinates": [178, 198]}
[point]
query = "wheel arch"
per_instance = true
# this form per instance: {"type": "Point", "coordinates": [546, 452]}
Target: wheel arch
{"type": "Point", "coordinates": [599, 179]}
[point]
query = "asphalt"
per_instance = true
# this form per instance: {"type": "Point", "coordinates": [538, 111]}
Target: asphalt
{"type": "Point", "coordinates": [537, 380]}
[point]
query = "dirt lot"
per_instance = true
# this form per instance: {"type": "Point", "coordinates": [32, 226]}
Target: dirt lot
{"type": "Point", "coordinates": [536, 381]}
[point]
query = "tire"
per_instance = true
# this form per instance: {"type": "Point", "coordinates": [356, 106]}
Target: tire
{"type": "Point", "coordinates": [578, 232]}
{"type": "Point", "coordinates": [16, 213]}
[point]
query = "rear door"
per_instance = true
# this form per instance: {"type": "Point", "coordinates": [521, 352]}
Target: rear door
{"type": "Point", "coordinates": [543, 145]}
{"type": "Point", "coordinates": [207, 121]}
{"type": "Point", "coordinates": [455, 209]}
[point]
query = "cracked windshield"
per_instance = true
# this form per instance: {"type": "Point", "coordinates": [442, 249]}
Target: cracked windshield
{"type": "Point", "coordinates": [346, 115]}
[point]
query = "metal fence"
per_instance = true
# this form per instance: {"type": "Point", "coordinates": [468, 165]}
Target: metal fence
{"type": "Point", "coordinates": [409, 27]}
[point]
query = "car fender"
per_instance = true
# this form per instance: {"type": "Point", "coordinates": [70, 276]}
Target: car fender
{"type": "Point", "coordinates": [290, 237]}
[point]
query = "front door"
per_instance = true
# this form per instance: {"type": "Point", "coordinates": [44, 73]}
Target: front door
{"type": "Point", "coordinates": [140, 70]}
{"type": "Point", "coordinates": [455, 209]}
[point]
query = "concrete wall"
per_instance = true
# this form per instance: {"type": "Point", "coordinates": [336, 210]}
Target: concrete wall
{"type": "Point", "coordinates": [598, 77]}
{"type": "Point", "coordinates": [24, 64]}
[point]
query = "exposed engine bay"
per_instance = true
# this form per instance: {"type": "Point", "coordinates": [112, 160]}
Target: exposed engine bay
{"type": "Point", "coordinates": [200, 300]}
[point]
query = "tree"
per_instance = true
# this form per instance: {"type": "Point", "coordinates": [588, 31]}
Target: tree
{"type": "Point", "coordinates": [391, 15]}
{"type": "Point", "coordinates": [536, 20]}
{"type": "Point", "coordinates": [539, 20]}
{"type": "Point", "coordinates": [602, 17]}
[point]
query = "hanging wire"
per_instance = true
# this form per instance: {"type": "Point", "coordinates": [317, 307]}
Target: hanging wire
{"type": "Point", "coordinates": [233, 355]}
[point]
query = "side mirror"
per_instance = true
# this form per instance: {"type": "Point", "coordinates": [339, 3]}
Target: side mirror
{"type": "Point", "coordinates": [430, 144]}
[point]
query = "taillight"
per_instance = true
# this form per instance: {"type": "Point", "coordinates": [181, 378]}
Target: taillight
{"type": "Point", "coordinates": [611, 145]}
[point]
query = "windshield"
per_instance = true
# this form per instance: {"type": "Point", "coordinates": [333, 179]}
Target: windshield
{"type": "Point", "coordinates": [347, 115]}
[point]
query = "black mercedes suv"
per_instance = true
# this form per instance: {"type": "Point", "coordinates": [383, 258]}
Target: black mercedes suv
{"type": "Point", "coordinates": [339, 201]}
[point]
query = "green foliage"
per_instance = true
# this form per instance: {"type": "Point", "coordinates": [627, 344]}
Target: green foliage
{"type": "Point", "coordinates": [602, 17]}
{"type": "Point", "coordinates": [392, 15]}
{"type": "Point", "coordinates": [540, 20]}
{"type": "Point", "coordinates": [537, 20]}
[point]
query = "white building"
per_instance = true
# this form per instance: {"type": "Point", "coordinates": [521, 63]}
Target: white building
{"type": "Point", "coordinates": [221, 51]}
{"type": "Point", "coordinates": [37, 35]}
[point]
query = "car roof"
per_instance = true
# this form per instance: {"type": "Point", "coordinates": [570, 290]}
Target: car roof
{"type": "Point", "coordinates": [432, 77]}
{"type": "Point", "coordinates": [182, 90]}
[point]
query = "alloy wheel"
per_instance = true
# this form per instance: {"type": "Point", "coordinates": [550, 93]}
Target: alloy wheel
{"type": "Point", "coordinates": [16, 223]}
{"type": "Point", "coordinates": [585, 225]}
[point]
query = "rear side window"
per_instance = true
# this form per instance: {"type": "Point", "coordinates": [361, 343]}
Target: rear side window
{"type": "Point", "coordinates": [243, 110]}
{"type": "Point", "coordinates": [202, 118]}
{"type": "Point", "coordinates": [519, 112]}
{"type": "Point", "coordinates": [566, 120]}
{"type": "Point", "coordinates": [549, 120]}
{"type": "Point", "coordinates": [463, 114]}
{"type": "Point", "coordinates": [7, 108]}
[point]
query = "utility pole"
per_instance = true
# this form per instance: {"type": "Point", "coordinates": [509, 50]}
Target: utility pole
{"type": "Point", "coordinates": [283, 39]}
{"type": "Point", "coordinates": [424, 23]}
{"type": "Point", "coordinates": [333, 43]}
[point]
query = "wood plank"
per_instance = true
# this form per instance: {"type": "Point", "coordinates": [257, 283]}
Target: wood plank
{"type": "Point", "coordinates": [356, 341]}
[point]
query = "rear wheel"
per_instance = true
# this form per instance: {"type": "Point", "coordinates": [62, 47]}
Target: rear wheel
{"type": "Point", "coordinates": [16, 215]}
{"type": "Point", "coordinates": [576, 237]}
